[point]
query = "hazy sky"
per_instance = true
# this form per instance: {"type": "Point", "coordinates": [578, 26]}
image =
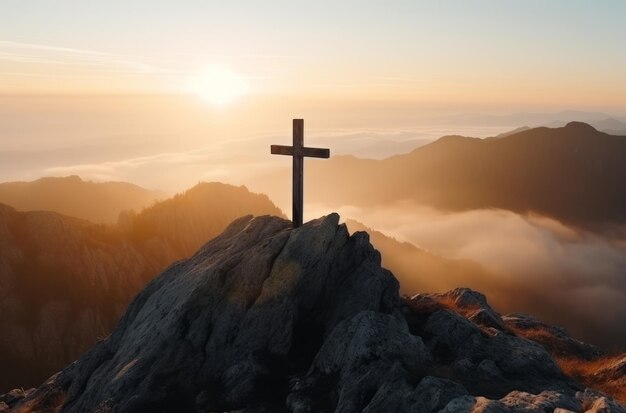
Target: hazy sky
{"type": "Point", "coordinates": [542, 53]}
{"type": "Point", "coordinates": [162, 93]}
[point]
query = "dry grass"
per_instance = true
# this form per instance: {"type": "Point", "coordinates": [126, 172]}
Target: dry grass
{"type": "Point", "coordinates": [441, 303]}
{"type": "Point", "coordinates": [450, 304]}
{"type": "Point", "coordinates": [603, 373]}
{"type": "Point", "coordinates": [535, 334]}
{"type": "Point", "coordinates": [597, 374]}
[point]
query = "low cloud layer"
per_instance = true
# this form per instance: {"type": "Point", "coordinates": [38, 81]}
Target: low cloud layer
{"type": "Point", "coordinates": [534, 264]}
{"type": "Point", "coordinates": [237, 161]}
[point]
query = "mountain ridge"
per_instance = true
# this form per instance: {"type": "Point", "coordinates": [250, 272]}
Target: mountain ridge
{"type": "Point", "coordinates": [459, 173]}
{"type": "Point", "coordinates": [99, 202]}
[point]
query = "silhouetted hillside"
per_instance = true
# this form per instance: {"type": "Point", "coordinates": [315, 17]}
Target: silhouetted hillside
{"type": "Point", "coordinates": [575, 174]}
{"type": "Point", "coordinates": [96, 202]}
{"type": "Point", "coordinates": [185, 220]}
{"type": "Point", "coordinates": [65, 281]}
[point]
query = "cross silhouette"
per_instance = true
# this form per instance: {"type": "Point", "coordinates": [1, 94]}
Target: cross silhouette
{"type": "Point", "coordinates": [299, 151]}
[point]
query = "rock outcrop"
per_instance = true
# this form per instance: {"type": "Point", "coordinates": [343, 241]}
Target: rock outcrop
{"type": "Point", "coordinates": [265, 318]}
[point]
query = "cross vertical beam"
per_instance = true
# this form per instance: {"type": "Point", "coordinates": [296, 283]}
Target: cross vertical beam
{"type": "Point", "coordinates": [298, 172]}
{"type": "Point", "coordinates": [298, 151]}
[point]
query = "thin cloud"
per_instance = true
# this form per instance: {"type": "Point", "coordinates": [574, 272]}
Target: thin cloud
{"type": "Point", "coordinates": [32, 53]}
{"type": "Point", "coordinates": [34, 46]}
{"type": "Point", "coordinates": [535, 264]}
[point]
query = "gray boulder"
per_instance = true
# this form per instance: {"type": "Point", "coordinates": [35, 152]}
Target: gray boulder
{"type": "Point", "coordinates": [434, 394]}
{"type": "Point", "coordinates": [241, 321]}
{"type": "Point", "coordinates": [491, 365]}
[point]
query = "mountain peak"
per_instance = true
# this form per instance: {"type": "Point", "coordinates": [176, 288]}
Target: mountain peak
{"type": "Point", "coordinates": [266, 317]}
{"type": "Point", "coordinates": [251, 305]}
{"type": "Point", "coordinates": [580, 127]}
{"type": "Point", "coordinates": [68, 178]}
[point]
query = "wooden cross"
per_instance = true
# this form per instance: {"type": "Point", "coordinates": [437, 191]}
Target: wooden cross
{"type": "Point", "coordinates": [299, 151]}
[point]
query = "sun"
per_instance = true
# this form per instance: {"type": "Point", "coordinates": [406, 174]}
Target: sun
{"type": "Point", "coordinates": [217, 85]}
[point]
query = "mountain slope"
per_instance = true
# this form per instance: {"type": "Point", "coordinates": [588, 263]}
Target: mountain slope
{"type": "Point", "coordinates": [419, 270]}
{"type": "Point", "coordinates": [96, 202]}
{"type": "Point", "coordinates": [64, 282]}
{"type": "Point", "coordinates": [268, 318]}
{"type": "Point", "coordinates": [187, 220]}
{"type": "Point", "coordinates": [574, 174]}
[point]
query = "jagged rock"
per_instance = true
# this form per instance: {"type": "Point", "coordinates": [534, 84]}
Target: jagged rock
{"type": "Point", "coordinates": [463, 404]}
{"type": "Point", "coordinates": [425, 304]}
{"type": "Point", "coordinates": [488, 370]}
{"type": "Point", "coordinates": [471, 304]}
{"type": "Point", "coordinates": [605, 405]}
{"type": "Point", "coordinates": [434, 394]}
{"type": "Point", "coordinates": [523, 364]}
{"type": "Point", "coordinates": [584, 363]}
{"type": "Point", "coordinates": [486, 318]}
{"type": "Point", "coordinates": [595, 402]}
{"type": "Point", "coordinates": [467, 298]}
{"type": "Point", "coordinates": [391, 396]}
{"type": "Point", "coordinates": [266, 318]}
{"type": "Point", "coordinates": [360, 352]}
{"type": "Point", "coordinates": [547, 401]}
{"type": "Point", "coordinates": [250, 309]}
{"type": "Point", "coordinates": [13, 396]}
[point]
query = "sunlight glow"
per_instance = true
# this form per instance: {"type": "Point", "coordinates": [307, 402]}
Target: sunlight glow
{"type": "Point", "coordinates": [217, 85]}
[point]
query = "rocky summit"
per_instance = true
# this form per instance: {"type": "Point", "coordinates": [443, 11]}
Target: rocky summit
{"type": "Point", "coordinates": [266, 318]}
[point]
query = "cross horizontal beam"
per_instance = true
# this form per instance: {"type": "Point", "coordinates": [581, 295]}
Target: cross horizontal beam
{"type": "Point", "coordinates": [305, 151]}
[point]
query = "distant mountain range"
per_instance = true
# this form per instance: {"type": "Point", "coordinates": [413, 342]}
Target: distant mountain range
{"type": "Point", "coordinates": [608, 125]}
{"type": "Point", "coordinates": [600, 120]}
{"type": "Point", "coordinates": [575, 174]}
{"type": "Point", "coordinates": [96, 202]}
{"type": "Point", "coordinates": [64, 281]}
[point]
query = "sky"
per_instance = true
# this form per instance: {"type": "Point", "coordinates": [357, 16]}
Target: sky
{"type": "Point", "coordinates": [533, 53]}
{"type": "Point", "coordinates": [166, 93]}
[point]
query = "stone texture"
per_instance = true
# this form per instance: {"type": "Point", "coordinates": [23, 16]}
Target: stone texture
{"type": "Point", "coordinates": [266, 318]}
{"type": "Point", "coordinates": [521, 402]}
